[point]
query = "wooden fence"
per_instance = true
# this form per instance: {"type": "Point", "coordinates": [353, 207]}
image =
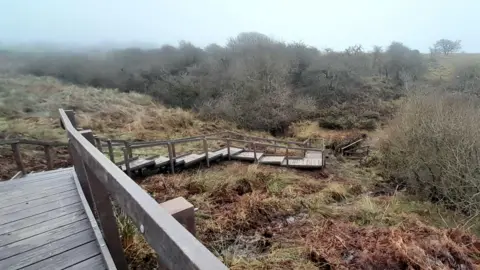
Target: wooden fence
{"type": "Point", "coordinates": [47, 147]}
{"type": "Point", "coordinates": [102, 180]}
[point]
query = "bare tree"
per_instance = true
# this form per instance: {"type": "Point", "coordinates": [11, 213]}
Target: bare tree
{"type": "Point", "coordinates": [447, 46]}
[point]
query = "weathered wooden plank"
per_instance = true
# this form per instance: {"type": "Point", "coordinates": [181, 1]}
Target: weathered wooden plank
{"type": "Point", "coordinates": [38, 202]}
{"type": "Point", "coordinates": [314, 154]}
{"type": "Point", "coordinates": [276, 160]}
{"type": "Point", "coordinates": [106, 219]}
{"type": "Point", "coordinates": [33, 220]}
{"type": "Point", "coordinates": [191, 159]}
{"type": "Point", "coordinates": [38, 210]}
{"type": "Point", "coordinates": [249, 155]}
{"type": "Point", "coordinates": [41, 143]}
{"type": "Point", "coordinates": [20, 196]}
{"type": "Point", "coordinates": [67, 258]}
{"type": "Point", "coordinates": [24, 188]}
{"type": "Point", "coordinates": [213, 156]}
{"type": "Point", "coordinates": [17, 175]}
{"type": "Point", "coordinates": [304, 163]}
{"type": "Point", "coordinates": [176, 247]}
{"type": "Point", "coordinates": [138, 164]}
{"type": "Point", "coordinates": [43, 239]}
{"type": "Point", "coordinates": [18, 158]}
{"type": "Point", "coordinates": [30, 179]}
{"type": "Point", "coordinates": [94, 263]}
{"type": "Point", "coordinates": [161, 161]}
{"type": "Point", "coordinates": [41, 176]}
{"type": "Point", "coordinates": [40, 228]}
{"type": "Point", "coordinates": [233, 151]}
{"type": "Point", "coordinates": [47, 251]}
{"type": "Point", "coordinates": [105, 253]}
{"type": "Point", "coordinates": [48, 156]}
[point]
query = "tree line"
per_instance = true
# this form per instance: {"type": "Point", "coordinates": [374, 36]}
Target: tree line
{"type": "Point", "coordinates": [254, 80]}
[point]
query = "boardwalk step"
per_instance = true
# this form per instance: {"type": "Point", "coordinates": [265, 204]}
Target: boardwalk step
{"type": "Point", "coordinates": [233, 151]}
{"type": "Point", "coordinates": [248, 155]}
{"type": "Point", "coordinates": [273, 160]}
{"type": "Point", "coordinates": [303, 163]}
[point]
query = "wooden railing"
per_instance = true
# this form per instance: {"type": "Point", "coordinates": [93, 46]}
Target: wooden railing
{"type": "Point", "coordinates": [227, 139]}
{"type": "Point", "coordinates": [101, 180]}
{"type": "Point", "coordinates": [47, 147]}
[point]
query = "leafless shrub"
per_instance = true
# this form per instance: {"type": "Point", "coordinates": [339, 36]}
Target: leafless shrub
{"type": "Point", "coordinates": [434, 148]}
{"type": "Point", "coordinates": [254, 80]}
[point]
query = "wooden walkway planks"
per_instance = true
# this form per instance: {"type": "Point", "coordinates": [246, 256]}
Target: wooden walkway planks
{"type": "Point", "coordinates": [233, 151]}
{"type": "Point", "coordinates": [275, 160]}
{"type": "Point", "coordinates": [303, 163]}
{"type": "Point", "coordinates": [44, 224]}
{"type": "Point", "coordinates": [249, 155]}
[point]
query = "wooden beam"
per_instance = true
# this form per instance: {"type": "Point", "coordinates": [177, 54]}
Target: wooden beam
{"type": "Point", "coordinates": [71, 116]}
{"type": "Point", "coordinates": [99, 144]}
{"type": "Point", "coordinates": [182, 211]}
{"type": "Point", "coordinates": [126, 161]}
{"type": "Point", "coordinates": [18, 158]}
{"type": "Point", "coordinates": [48, 156]}
{"type": "Point", "coordinates": [110, 150]}
{"type": "Point", "coordinates": [228, 149]}
{"type": "Point", "coordinates": [172, 159]}
{"type": "Point", "coordinates": [80, 171]}
{"type": "Point", "coordinates": [205, 149]}
{"type": "Point", "coordinates": [104, 211]}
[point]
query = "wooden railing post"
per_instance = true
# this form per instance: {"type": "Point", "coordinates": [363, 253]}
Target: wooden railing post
{"type": "Point", "coordinates": [172, 159]}
{"type": "Point", "coordinates": [205, 149]}
{"type": "Point", "coordinates": [81, 174]}
{"type": "Point", "coordinates": [228, 149]}
{"type": "Point", "coordinates": [104, 212]}
{"type": "Point", "coordinates": [286, 154]}
{"type": "Point", "coordinates": [48, 156]}
{"type": "Point", "coordinates": [18, 158]}
{"type": "Point", "coordinates": [126, 159]}
{"type": "Point", "coordinates": [174, 152]}
{"type": "Point", "coordinates": [255, 152]}
{"type": "Point", "coordinates": [129, 150]}
{"type": "Point", "coordinates": [71, 116]}
{"type": "Point", "coordinates": [99, 144]}
{"type": "Point", "coordinates": [110, 151]}
{"type": "Point", "coordinates": [305, 150]}
{"type": "Point", "coordinates": [275, 147]}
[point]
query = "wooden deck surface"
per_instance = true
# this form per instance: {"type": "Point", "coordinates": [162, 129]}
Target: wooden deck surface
{"type": "Point", "coordinates": [233, 151]}
{"type": "Point", "coordinates": [312, 159]}
{"type": "Point", "coordinates": [276, 160]}
{"type": "Point", "coordinates": [248, 155]}
{"type": "Point", "coordinates": [44, 225]}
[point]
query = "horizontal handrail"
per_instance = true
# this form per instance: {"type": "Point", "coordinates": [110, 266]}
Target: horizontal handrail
{"type": "Point", "coordinates": [136, 144]}
{"type": "Point", "coordinates": [264, 139]}
{"type": "Point", "coordinates": [176, 247]}
{"type": "Point", "coordinates": [5, 142]}
{"type": "Point", "coordinates": [266, 144]}
{"type": "Point", "coordinates": [33, 142]}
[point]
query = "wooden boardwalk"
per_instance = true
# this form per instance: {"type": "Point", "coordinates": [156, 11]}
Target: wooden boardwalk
{"type": "Point", "coordinates": [310, 160]}
{"type": "Point", "coordinates": [45, 223]}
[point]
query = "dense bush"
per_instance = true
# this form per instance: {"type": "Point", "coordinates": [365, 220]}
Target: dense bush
{"type": "Point", "coordinates": [258, 82]}
{"type": "Point", "coordinates": [434, 148]}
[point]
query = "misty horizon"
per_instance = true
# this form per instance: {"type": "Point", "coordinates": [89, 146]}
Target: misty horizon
{"type": "Point", "coordinates": [150, 24]}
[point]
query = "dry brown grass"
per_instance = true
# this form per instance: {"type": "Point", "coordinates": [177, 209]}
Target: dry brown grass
{"type": "Point", "coordinates": [260, 217]}
{"type": "Point", "coordinates": [253, 216]}
{"type": "Point", "coordinates": [29, 107]}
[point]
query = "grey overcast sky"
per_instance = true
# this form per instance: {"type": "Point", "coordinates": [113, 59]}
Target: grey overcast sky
{"type": "Point", "coordinates": [320, 23]}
